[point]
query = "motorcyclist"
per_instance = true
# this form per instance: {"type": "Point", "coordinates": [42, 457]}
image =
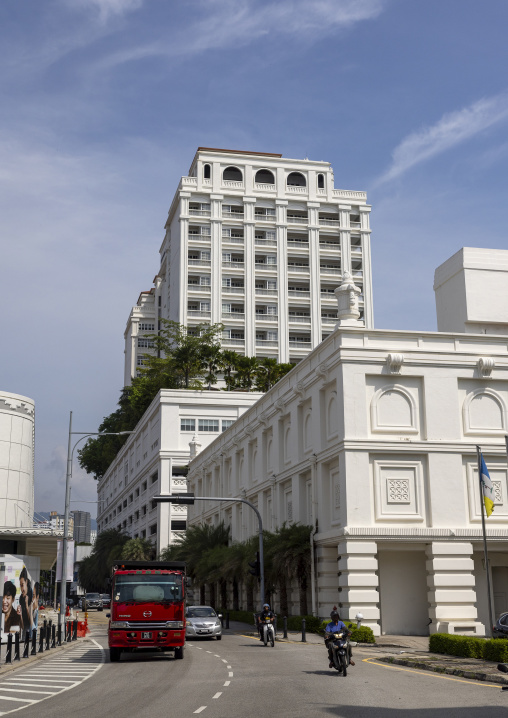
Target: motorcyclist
{"type": "Point", "coordinates": [265, 613]}
{"type": "Point", "coordinates": [336, 626]}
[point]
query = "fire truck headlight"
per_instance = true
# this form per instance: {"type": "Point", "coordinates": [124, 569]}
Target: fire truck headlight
{"type": "Point", "coordinates": [174, 624]}
{"type": "Point", "coordinates": [118, 624]}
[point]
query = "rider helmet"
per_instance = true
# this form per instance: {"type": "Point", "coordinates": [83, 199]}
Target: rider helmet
{"type": "Point", "coordinates": [334, 615]}
{"type": "Point", "coordinates": [266, 605]}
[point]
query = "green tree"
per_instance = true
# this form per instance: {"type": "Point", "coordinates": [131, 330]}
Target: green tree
{"type": "Point", "coordinates": [211, 355]}
{"type": "Point", "coordinates": [138, 549]}
{"type": "Point", "coordinates": [292, 557]}
{"type": "Point", "coordinates": [230, 361]}
{"type": "Point", "coordinates": [267, 373]}
{"type": "Point", "coordinates": [246, 375]}
{"type": "Point", "coordinates": [95, 570]}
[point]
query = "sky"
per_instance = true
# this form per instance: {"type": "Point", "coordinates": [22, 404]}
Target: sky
{"type": "Point", "coordinates": [104, 103]}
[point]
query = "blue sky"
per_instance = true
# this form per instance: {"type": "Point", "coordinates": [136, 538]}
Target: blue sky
{"type": "Point", "coordinates": [104, 103]}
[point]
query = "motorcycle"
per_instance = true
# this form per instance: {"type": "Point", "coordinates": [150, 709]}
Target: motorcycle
{"type": "Point", "coordinates": [268, 631]}
{"type": "Point", "coordinates": [503, 667]}
{"type": "Point", "coordinates": [339, 643]}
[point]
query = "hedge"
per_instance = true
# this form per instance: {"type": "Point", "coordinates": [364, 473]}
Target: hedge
{"type": "Point", "coordinates": [364, 634]}
{"type": "Point", "coordinates": [490, 649]}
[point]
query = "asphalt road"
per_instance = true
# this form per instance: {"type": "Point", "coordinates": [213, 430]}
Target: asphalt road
{"type": "Point", "coordinates": [238, 678]}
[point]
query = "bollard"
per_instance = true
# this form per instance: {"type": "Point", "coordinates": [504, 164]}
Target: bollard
{"type": "Point", "coordinates": [34, 643]}
{"type": "Point", "coordinates": [69, 631]}
{"type": "Point", "coordinates": [26, 647]}
{"type": "Point", "coordinates": [74, 630]}
{"type": "Point", "coordinates": [304, 638]}
{"type": "Point", "coordinates": [8, 655]}
{"type": "Point", "coordinates": [227, 619]}
{"type": "Point", "coordinates": [285, 627]}
{"type": "Point", "coordinates": [41, 639]}
{"type": "Point", "coordinates": [53, 636]}
{"type": "Point", "coordinates": [59, 635]}
{"type": "Point", "coordinates": [47, 635]}
{"type": "Point", "coordinates": [16, 646]}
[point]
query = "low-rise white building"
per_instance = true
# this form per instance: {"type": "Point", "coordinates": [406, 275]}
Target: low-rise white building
{"type": "Point", "coordinates": [371, 439]}
{"type": "Point", "coordinates": [154, 461]}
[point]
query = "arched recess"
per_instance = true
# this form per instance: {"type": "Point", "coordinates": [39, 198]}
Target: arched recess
{"type": "Point", "coordinates": [265, 177]}
{"type": "Point", "coordinates": [307, 430]}
{"type": "Point", "coordinates": [484, 413]}
{"type": "Point", "coordinates": [207, 172]}
{"type": "Point", "coordinates": [287, 444]}
{"type": "Point", "coordinates": [321, 181]}
{"type": "Point", "coordinates": [296, 179]}
{"type": "Point", "coordinates": [393, 410]}
{"type": "Point", "coordinates": [332, 417]}
{"type": "Point", "coordinates": [232, 174]}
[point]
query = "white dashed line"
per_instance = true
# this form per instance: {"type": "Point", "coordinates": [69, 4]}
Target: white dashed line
{"type": "Point", "coordinates": [200, 709]}
{"type": "Point", "coordinates": [230, 674]}
{"type": "Point", "coordinates": [208, 651]}
{"type": "Point", "coordinates": [224, 660]}
{"type": "Point", "coordinates": [216, 656]}
{"type": "Point", "coordinates": [217, 695]}
{"type": "Point", "coordinates": [229, 667]}
{"type": "Point", "coordinates": [227, 683]}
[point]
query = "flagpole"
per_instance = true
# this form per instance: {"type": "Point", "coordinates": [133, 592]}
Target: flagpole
{"type": "Point", "coordinates": [485, 553]}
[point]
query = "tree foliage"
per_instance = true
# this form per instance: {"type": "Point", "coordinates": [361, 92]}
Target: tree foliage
{"type": "Point", "coordinates": [95, 569]}
{"type": "Point", "coordinates": [184, 359]}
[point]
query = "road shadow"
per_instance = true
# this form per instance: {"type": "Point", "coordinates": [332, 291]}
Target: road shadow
{"type": "Point", "coordinates": [345, 711]}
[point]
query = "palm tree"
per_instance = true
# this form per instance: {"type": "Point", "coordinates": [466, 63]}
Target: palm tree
{"type": "Point", "coordinates": [267, 374]}
{"type": "Point", "coordinates": [293, 557]}
{"type": "Point", "coordinates": [230, 365]}
{"type": "Point", "coordinates": [211, 355]}
{"type": "Point", "coordinates": [138, 549]}
{"type": "Point", "coordinates": [247, 367]}
{"type": "Point", "coordinates": [95, 570]}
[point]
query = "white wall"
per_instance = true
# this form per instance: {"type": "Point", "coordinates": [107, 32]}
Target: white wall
{"type": "Point", "coordinates": [403, 593]}
{"type": "Point", "coordinates": [16, 460]}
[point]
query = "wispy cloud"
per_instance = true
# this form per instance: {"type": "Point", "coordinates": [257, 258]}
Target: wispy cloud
{"type": "Point", "coordinates": [452, 129]}
{"type": "Point", "coordinates": [235, 23]}
{"type": "Point", "coordinates": [106, 9]}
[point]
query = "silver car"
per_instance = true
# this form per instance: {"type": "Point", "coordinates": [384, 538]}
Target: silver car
{"type": "Point", "coordinates": [202, 621]}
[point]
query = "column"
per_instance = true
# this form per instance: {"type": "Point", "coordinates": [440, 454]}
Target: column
{"type": "Point", "coordinates": [451, 589]}
{"type": "Point", "coordinates": [163, 509]}
{"type": "Point", "coordinates": [345, 237]}
{"type": "Point", "coordinates": [216, 256]}
{"type": "Point", "coordinates": [315, 274]}
{"type": "Point", "coordinates": [282, 279]}
{"type": "Point", "coordinates": [184, 256]}
{"type": "Point", "coordinates": [359, 582]}
{"type": "Point", "coordinates": [327, 580]}
{"type": "Point", "coordinates": [250, 271]}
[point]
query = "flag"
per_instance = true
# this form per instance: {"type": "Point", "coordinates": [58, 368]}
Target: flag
{"type": "Point", "coordinates": [487, 488]}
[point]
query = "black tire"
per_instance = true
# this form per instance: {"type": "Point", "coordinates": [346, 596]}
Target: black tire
{"type": "Point", "coordinates": [179, 652]}
{"type": "Point", "coordinates": [219, 638]}
{"type": "Point", "coordinates": [343, 662]}
{"type": "Point", "coordinates": [336, 661]}
{"type": "Point", "coordinates": [114, 654]}
{"type": "Point", "coordinates": [272, 639]}
{"type": "Point", "coordinates": [265, 637]}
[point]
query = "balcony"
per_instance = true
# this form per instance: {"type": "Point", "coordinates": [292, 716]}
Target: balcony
{"type": "Point", "coordinates": [229, 341]}
{"type": "Point", "coordinates": [294, 189]}
{"type": "Point", "coordinates": [201, 288]}
{"type": "Point", "coordinates": [330, 269]}
{"type": "Point", "coordinates": [328, 320]}
{"type": "Point", "coordinates": [228, 214]}
{"type": "Point", "coordinates": [298, 267]}
{"type": "Point", "coordinates": [298, 243]}
{"type": "Point", "coordinates": [300, 293]}
{"type": "Point", "coordinates": [233, 290]}
{"type": "Point", "coordinates": [233, 315]}
{"type": "Point", "coordinates": [265, 242]}
{"type": "Point", "coordinates": [357, 273]}
{"type": "Point", "coordinates": [267, 343]}
{"type": "Point", "coordinates": [200, 212]}
{"type": "Point", "coordinates": [264, 187]}
{"type": "Point", "coordinates": [232, 184]}
{"type": "Point", "coordinates": [299, 318]}
{"type": "Point", "coordinates": [199, 262]}
{"type": "Point", "coordinates": [329, 222]}
{"type": "Point", "coordinates": [233, 265]}
{"type": "Point", "coordinates": [300, 343]}
{"type": "Point", "coordinates": [265, 265]}
{"type": "Point", "coordinates": [266, 291]}
{"type": "Point", "coordinates": [329, 244]}
{"type": "Point", "coordinates": [348, 194]}
{"type": "Point", "coordinates": [232, 240]}
{"type": "Point", "coordinates": [355, 225]}
{"type": "Point", "coordinates": [266, 317]}
{"type": "Point", "coordinates": [264, 217]}
{"type": "Point", "coordinates": [198, 313]}
{"type": "Point", "coordinates": [297, 219]}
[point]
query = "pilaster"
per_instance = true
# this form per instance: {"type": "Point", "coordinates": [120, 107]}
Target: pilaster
{"type": "Point", "coordinates": [327, 580]}
{"type": "Point", "coordinates": [359, 582]}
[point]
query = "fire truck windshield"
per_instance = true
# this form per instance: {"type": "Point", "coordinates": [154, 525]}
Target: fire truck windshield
{"type": "Point", "coordinates": [148, 587]}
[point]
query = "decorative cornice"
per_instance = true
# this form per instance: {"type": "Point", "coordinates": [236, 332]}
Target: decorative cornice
{"type": "Point", "coordinates": [394, 363]}
{"type": "Point", "coordinates": [485, 366]}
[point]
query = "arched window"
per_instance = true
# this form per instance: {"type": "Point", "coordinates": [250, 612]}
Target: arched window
{"type": "Point", "coordinates": [207, 172]}
{"type": "Point", "coordinates": [232, 174]}
{"type": "Point", "coordinates": [265, 177]}
{"type": "Point", "coordinates": [296, 179]}
{"type": "Point", "coordinates": [321, 181]}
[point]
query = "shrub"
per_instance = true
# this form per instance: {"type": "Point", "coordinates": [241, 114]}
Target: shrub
{"type": "Point", "coordinates": [364, 634]}
{"type": "Point", "coordinates": [469, 647]}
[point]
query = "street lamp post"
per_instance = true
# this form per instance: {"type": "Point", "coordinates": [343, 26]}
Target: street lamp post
{"type": "Point", "coordinates": [190, 498]}
{"type": "Point", "coordinates": [70, 452]}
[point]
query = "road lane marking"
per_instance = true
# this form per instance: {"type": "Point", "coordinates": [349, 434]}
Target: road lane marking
{"type": "Point", "coordinates": [18, 700]}
{"type": "Point", "coordinates": [230, 674]}
{"type": "Point", "coordinates": [26, 690]}
{"type": "Point", "coordinates": [200, 709]}
{"type": "Point", "coordinates": [228, 667]}
{"type": "Point", "coordinates": [430, 674]}
{"type": "Point", "coordinates": [224, 660]}
{"type": "Point", "coordinates": [227, 683]}
{"type": "Point", "coordinates": [216, 656]}
{"type": "Point", "coordinates": [208, 651]}
{"type": "Point", "coordinates": [217, 695]}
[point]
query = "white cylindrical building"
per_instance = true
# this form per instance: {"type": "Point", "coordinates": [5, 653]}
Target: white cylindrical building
{"type": "Point", "coordinates": [16, 460]}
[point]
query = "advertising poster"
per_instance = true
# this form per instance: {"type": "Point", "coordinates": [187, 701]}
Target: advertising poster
{"type": "Point", "coordinates": [20, 596]}
{"type": "Point", "coordinates": [70, 560]}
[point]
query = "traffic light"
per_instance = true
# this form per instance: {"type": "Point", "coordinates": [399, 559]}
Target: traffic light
{"type": "Point", "coordinates": [255, 566]}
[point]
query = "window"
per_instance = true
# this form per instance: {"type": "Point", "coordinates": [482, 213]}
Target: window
{"type": "Point", "coordinates": [271, 284]}
{"type": "Point", "coordinates": [147, 343]}
{"type": "Point", "coordinates": [232, 174]}
{"type": "Point", "coordinates": [271, 259]}
{"type": "Point", "coordinates": [272, 336]}
{"type": "Point", "coordinates": [204, 281]}
{"type": "Point", "coordinates": [271, 309]}
{"type": "Point", "coordinates": [204, 306]}
{"type": "Point", "coordinates": [209, 425]}
{"type": "Point", "coordinates": [265, 177]}
{"type": "Point", "coordinates": [296, 179]}
{"type": "Point", "coordinates": [144, 510]}
{"type": "Point", "coordinates": [207, 172]}
{"type": "Point", "coordinates": [177, 525]}
{"type": "Point", "coordinates": [143, 534]}
{"type": "Point", "coordinates": [206, 256]}
{"type": "Point", "coordinates": [226, 423]}
{"type": "Point", "coordinates": [143, 488]}
{"type": "Point", "coordinates": [139, 361]}
{"type": "Point", "coordinates": [154, 477]}
{"type": "Point", "coordinates": [153, 529]}
{"type": "Point", "coordinates": [131, 498]}
{"type": "Point", "coordinates": [125, 504]}
{"type": "Point", "coordinates": [146, 327]}
{"type": "Point", "coordinates": [321, 181]}
{"type": "Point", "coordinates": [137, 493]}
{"type": "Point", "coordinates": [153, 505]}
{"type": "Point", "coordinates": [187, 424]}
{"type": "Point", "coordinates": [226, 282]}
{"type": "Point", "coordinates": [136, 516]}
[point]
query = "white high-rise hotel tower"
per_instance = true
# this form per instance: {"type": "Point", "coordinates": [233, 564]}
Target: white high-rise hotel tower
{"type": "Point", "coordinates": [259, 243]}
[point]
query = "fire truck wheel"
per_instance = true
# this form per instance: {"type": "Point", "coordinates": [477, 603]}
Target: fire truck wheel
{"type": "Point", "coordinates": [179, 652]}
{"type": "Point", "coordinates": [114, 654]}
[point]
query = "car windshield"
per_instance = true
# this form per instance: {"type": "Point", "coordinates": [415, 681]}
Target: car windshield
{"type": "Point", "coordinates": [201, 612]}
{"type": "Point", "coordinates": [92, 596]}
{"type": "Point", "coordinates": [105, 597]}
{"type": "Point", "coordinates": [148, 587]}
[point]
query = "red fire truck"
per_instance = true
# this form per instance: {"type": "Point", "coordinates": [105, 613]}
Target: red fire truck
{"type": "Point", "coordinates": [147, 607]}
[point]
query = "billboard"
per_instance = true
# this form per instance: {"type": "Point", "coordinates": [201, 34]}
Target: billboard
{"type": "Point", "coordinates": [20, 594]}
{"type": "Point", "coordinates": [70, 560]}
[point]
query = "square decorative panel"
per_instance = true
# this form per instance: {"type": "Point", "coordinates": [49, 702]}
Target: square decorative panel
{"type": "Point", "coordinates": [398, 491]}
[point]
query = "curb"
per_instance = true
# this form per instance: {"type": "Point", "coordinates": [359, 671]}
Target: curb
{"type": "Point", "coordinates": [462, 673]}
{"type": "Point", "coordinates": [14, 666]}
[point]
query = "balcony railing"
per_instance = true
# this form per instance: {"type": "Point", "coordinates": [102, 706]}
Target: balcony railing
{"type": "Point", "coordinates": [233, 265]}
{"type": "Point", "coordinates": [267, 342]}
{"type": "Point", "coordinates": [200, 262]}
{"type": "Point", "coordinates": [232, 215]}
{"type": "Point", "coordinates": [349, 194]}
{"type": "Point", "coordinates": [329, 245]}
{"type": "Point", "coordinates": [358, 273]}
{"type": "Point", "coordinates": [198, 313]}
{"type": "Point", "coordinates": [259, 290]}
{"type": "Point", "coordinates": [297, 244]}
{"type": "Point", "coordinates": [328, 320]}
{"type": "Point", "coordinates": [325, 221]}
{"type": "Point", "coordinates": [356, 225]}
{"type": "Point", "coordinates": [200, 212]}
{"type": "Point", "coordinates": [233, 240]}
{"type": "Point", "coordinates": [266, 317]}
{"type": "Point", "coordinates": [297, 220]}
{"type": "Point", "coordinates": [233, 290]}
{"type": "Point", "coordinates": [233, 315]}
{"type": "Point", "coordinates": [199, 287]}
{"type": "Point", "coordinates": [189, 181]}
{"type": "Point", "coordinates": [264, 187]}
{"type": "Point", "coordinates": [298, 268]}
{"type": "Point", "coordinates": [295, 189]}
{"type": "Point", "coordinates": [265, 265]}
{"type": "Point", "coordinates": [233, 342]}
{"type": "Point", "coordinates": [266, 242]}
{"type": "Point", "coordinates": [330, 270]}
{"type": "Point", "coordinates": [233, 184]}
{"type": "Point", "coordinates": [304, 344]}
{"type": "Point", "coordinates": [200, 237]}
{"type": "Point", "coordinates": [298, 293]}
{"type": "Point", "coordinates": [300, 319]}
{"type": "Point", "coordinates": [264, 217]}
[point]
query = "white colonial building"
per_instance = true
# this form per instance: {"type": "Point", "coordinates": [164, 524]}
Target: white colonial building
{"type": "Point", "coordinates": [258, 242]}
{"type": "Point", "coordinates": [371, 439]}
{"type": "Point", "coordinates": [155, 458]}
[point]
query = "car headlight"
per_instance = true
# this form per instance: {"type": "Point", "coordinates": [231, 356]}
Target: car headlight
{"type": "Point", "coordinates": [217, 623]}
{"type": "Point", "coordinates": [174, 624]}
{"type": "Point", "coordinates": [118, 624]}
